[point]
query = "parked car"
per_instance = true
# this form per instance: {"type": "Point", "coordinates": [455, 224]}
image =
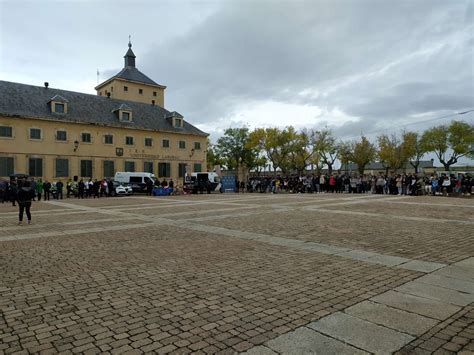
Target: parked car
{"type": "Point", "coordinates": [121, 189]}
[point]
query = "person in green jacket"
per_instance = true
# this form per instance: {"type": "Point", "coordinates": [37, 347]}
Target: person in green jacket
{"type": "Point", "coordinates": [39, 188]}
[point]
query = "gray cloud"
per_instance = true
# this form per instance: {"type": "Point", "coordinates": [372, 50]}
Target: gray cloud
{"type": "Point", "coordinates": [372, 60]}
{"type": "Point", "coordinates": [364, 64]}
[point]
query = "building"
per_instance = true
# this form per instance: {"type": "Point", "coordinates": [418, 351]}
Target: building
{"type": "Point", "coordinates": [375, 168]}
{"type": "Point", "coordinates": [58, 134]}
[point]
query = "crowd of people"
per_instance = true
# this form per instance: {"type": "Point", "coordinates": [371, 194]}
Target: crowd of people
{"type": "Point", "coordinates": [399, 184]}
{"type": "Point", "coordinates": [84, 188]}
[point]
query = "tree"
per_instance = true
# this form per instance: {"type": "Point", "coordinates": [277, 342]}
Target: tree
{"type": "Point", "coordinates": [213, 158]}
{"type": "Point", "coordinates": [391, 152]}
{"type": "Point", "coordinates": [300, 150]}
{"type": "Point", "coordinates": [233, 148]}
{"type": "Point", "coordinates": [412, 148]}
{"type": "Point", "coordinates": [449, 143]}
{"type": "Point", "coordinates": [360, 152]}
{"type": "Point", "coordinates": [274, 142]}
{"type": "Point", "coordinates": [345, 153]}
{"type": "Point", "coordinates": [324, 145]}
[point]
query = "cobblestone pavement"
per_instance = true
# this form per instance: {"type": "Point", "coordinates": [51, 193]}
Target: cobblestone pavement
{"type": "Point", "coordinates": [261, 274]}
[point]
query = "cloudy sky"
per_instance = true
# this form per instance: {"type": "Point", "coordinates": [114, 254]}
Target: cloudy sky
{"type": "Point", "coordinates": [356, 66]}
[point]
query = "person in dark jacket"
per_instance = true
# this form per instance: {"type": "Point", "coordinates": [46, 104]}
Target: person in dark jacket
{"type": "Point", "coordinates": [47, 190]}
{"type": "Point", "coordinates": [24, 196]}
{"type": "Point", "coordinates": [81, 187]}
{"type": "Point", "coordinates": [59, 189]}
{"type": "Point", "coordinates": [13, 191]}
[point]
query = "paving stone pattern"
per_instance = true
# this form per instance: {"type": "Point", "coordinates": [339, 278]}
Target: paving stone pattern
{"type": "Point", "coordinates": [254, 273]}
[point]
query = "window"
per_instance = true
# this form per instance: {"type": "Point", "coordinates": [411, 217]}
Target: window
{"type": "Point", "coordinates": [61, 136]}
{"type": "Point", "coordinates": [100, 93]}
{"type": "Point", "coordinates": [35, 133]}
{"type": "Point", "coordinates": [154, 93]}
{"type": "Point", "coordinates": [148, 142]}
{"type": "Point", "coordinates": [182, 144]}
{"type": "Point", "coordinates": [129, 140]}
{"type": "Point", "coordinates": [164, 169]}
{"type": "Point", "coordinates": [166, 143]}
{"type": "Point", "coordinates": [178, 122]}
{"type": "Point", "coordinates": [111, 89]}
{"type": "Point", "coordinates": [6, 131]}
{"type": "Point", "coordinates": [197, 145]}
{"type": "Point", "coordinates": [181, 170]}
{"type": "Point", "coordinates": [130, 166]}
{"type": "Point", "coordinates": [58, 108]}
{"type": "Point", "coordinates": [62, 168]}
{"type": "Point", "coordinates": [125, 88]}
{"type": "Point", "coordinates": [108, 139]}
{"type": "Point", "coordinates": [35, 167]}
{"type": "Point", "coordinates": [153, 102]}
{"type": "Point", "coordinates": [86, 168]}
{"type": "Point", "coordinates": [140, 91]}
{"type": "Point", "coordinates": [125, 116]}
{"type": "Point", "coordinates": [109, 170]}
{"type": "Point", "coordinates": [197, 168]}
{"type": "Point", "coordinates": [6, 166]}
{"type": "Point", "coordinates": [148, 167]}
{"type": "Point", "coordinates": [86, 138]}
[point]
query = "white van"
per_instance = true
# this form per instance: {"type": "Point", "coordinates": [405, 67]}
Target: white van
{"type": "Point", "coordinates": [138, 181]}
{"type": "Point", "coordinates": [207, 181]}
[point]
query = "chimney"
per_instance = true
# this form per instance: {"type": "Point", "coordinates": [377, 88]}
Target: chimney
{"type": "Point", "coordinates": [46, 84]}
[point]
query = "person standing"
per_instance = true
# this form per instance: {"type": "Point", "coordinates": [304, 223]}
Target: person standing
{"type": "Point", "coordinates": [59, 189]}
{"type": "Point", "coordinates": [13, 191]}
{"type": "Point", "coordinates": [68, 188]}
{"type": "Point", "coordinates": [3, 190]}
{"type": "Point", "coordinates": [39, 189]}
{"type": "Point", "coordinates": [81, 188]}
{"type": "Point", "coordinates": [149, 187]}
{"type": "Point", "coordinates": [24, 196]}
{"type": "Point", "coordinates": [47, 190]}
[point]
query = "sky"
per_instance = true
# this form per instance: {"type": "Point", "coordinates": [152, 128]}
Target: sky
{"type": "Point", "coordinates": [353, 66]}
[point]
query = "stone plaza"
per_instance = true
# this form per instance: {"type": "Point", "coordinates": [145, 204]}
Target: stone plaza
{"type": "Point", "coordinates": [239, 273]}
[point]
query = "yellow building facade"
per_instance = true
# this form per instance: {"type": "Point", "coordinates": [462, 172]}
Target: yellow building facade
{"type": "Point", "coordinates": [57, 134]}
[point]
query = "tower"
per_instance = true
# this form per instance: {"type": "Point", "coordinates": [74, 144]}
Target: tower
{"type": "Point", "coordinates": [131, 84]}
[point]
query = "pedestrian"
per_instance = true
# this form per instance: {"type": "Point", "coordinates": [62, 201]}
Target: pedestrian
{"type": "Point", "coordinates": [59, 189]}
{"type": "Point", "coordinates": [81, 188]}
{"type": "Point", "coordinates": [24, 196]}
{"type": "Point", "coordinates": [3, 190]}
{"type": "Point", "coordinates": [68, 188]}
{"type": "Point", "coordinates": [13, 191]}
{"type": "Point", "coordinates": [149, 187]}
{"type": "Point", "coordinates": [47, 190]}
{"type": "Point", "coordinates": [39, 189]}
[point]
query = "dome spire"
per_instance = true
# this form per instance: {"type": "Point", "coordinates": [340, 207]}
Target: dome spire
{"type": "Point", "coordinates": [129, 56]}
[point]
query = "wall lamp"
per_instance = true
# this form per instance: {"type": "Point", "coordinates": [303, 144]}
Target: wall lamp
{"type": "Point", "coordinates": [76, 145]}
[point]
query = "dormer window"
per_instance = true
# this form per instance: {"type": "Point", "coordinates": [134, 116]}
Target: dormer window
{"type": "Point", "coordinates": [58, 108]}
{"type": "Point", "coordinates": [178, 122]}
{"type": "Point", "coordinates": [58, 104]}
{"type": "Point", "coordinates": [175, 119]}
{"type": "Point", "coordinates": [124, 113]}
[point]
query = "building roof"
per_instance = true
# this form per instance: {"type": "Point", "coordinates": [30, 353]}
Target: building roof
{"type": "Point", "coordinates": [28, 101]}
{"type": "Point", "coordinates": [130, 72]}
{"type": "Point", "coordinates": [380, 166]}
